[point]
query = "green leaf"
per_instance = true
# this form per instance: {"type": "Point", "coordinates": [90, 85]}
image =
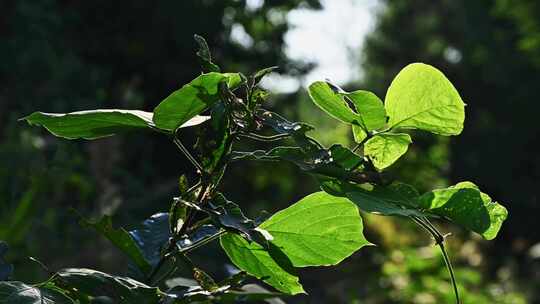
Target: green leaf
{"type": "Point", "coordinates": [122, 240]}
{"type": "Point", "coordinates": [214, 142]}
{"type": "Point", "coordinates": [271, 266]}
{"type": "Point", "coordinates": [421, 97]}
{"type": "Point", "coordinates": [391, 200]}
{"type": "Point", "coordinates": [333, 104]}
{"type": "Point", "coordinates": [318, 230]}
{"type": "Point", "coordinates": [192, 99]}
{"type": "Point", "coordinates": [467, 206]}
{"type": "Point", "coordinates": [359, 133]}
{"type": "Point", "coordinates": [153, 234]}
{"type": "Point", "coordinates": [385, 148]}
{"type": "Point", "coordinates": [97, 123]}
{"type": "Point", "coordinates": [370, 109]}
{"type": "Point", "coordinates": [463, 204]}
{"type": "Point", "coordinates": [229, 216]}
{"type": "Point", "coordinates": [14, 292]}
{"type": "Point", "coordinates": [98, 284]}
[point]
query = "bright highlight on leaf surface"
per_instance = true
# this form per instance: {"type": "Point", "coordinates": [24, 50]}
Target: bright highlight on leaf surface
{"type": "Point", "coordinates": [98, 123]}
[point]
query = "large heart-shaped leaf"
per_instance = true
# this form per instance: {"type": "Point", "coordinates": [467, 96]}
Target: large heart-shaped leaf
{"type": "Point", "coordinates": [421, 97]}
{"type": "Point", "coordinates": [385, 148]}
{"type": "Point", "coordinates": [318, 230]}
{"type": "Point", "coordinates": [97, 123]}
{"type": "Point", "coordinates": [192, 99]}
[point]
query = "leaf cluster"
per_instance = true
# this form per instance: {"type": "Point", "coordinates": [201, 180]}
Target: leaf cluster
{"type": "Point", "coordinates": [321, 229]}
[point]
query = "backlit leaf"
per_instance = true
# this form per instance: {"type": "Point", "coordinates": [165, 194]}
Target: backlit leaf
{"type": "Point", "coordinates": [330, 102]}
{"type": "Point", "coordinates": [370, 109]}
{"type": "Point", "coordinates": [421, 97]}
{"type": "Point", "coordinates": [318, 230]}
{"type": "Point", "coordinates": [271, 266]}
{"type": "Point", "coordinates": [192, 99]}
{"type": "Point", "coordinates": [385, 148]}
{"type": "Point", "coordinates": [466, 205]}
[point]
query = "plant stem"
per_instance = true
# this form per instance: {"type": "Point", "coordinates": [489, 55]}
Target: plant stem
{"type": "Point", "coordinates": [263, 138]}
{"type": "Point", "coordinates": [187, 154]}
{"type": "Point", "coordinates": [202, 242]}
{"type": "Point", "coordinates": [439, 240]}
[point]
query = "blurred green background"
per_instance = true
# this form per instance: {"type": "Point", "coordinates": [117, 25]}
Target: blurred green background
{"type": "Point", "coordinates": [61, 56]}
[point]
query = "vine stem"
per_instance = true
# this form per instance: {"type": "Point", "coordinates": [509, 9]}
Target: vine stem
{"type": "Point", "coordinates": [439, 240]}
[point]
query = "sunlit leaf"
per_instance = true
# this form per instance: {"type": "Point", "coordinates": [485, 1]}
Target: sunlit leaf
{"type": "Point", "coordinates": [192, 99]}
{"type": "Point", "coordinates": [370, 109]}
{"type": "Point", "coordinates": [421, 97]}
{"type": "Point", "coordinates": [466, 205]}
{"type": "Point", "coordinates": [271, 266]}
{"type": "Point", "coordinates": [385, 148]}
{"type": "Point", "coordinates": [318, 230]}
{"type": "Point", "coordinates": [333, 104]}
{"type": "Point", "coordinates": [98, 123]}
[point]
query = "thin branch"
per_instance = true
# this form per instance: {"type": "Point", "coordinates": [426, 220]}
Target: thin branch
{"type": "Point", "coordinates": [202, 242]}
{"type": "Point", "coordinates": [263, 138]}
{"type": "Point", "coordinates": [187, 154]}
{"type": "Point", "coordinates": [450, 270]}
{"type": "Point", "coordinates": [439, 239]}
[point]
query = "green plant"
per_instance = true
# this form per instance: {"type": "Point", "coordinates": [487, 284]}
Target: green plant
{"type": "Point", "coordinates": [321, 229]}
